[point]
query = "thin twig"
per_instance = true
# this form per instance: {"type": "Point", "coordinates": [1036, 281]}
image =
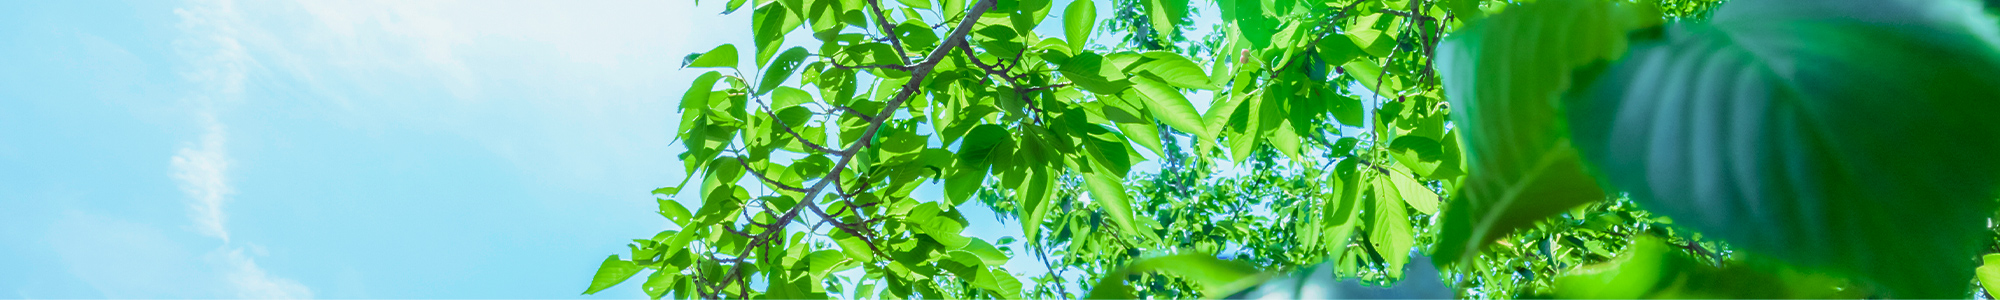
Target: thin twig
{"type": "Point", "coordinates": [917, 77]}
{"type": "Point", "coordinates": [767, 179]}
{"type": "Point", "coordinates": [881, 66]}
{"type": "Point", "coordinates": [1406, 14]}
{"type": "Point", "coordinates": [888, 30]}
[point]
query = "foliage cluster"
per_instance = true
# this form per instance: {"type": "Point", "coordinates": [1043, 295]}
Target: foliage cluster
{"type": "Point", "coordinates": [1568, 148]}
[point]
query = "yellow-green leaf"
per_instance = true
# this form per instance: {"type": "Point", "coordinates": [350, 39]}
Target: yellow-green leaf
{"type": "Point", "coordinates": [723, 56]}
{"type": "Point", "coordinates": [610, 273]}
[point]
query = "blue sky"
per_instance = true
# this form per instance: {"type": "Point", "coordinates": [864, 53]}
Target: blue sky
{"type": "Point", "coordinates": [343, 149]}
{"type": "Point", "coordinates": [334, 149]}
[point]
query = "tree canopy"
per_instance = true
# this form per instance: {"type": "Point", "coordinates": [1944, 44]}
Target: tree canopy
{"type": "Point", "coordinates": [1346, 148]}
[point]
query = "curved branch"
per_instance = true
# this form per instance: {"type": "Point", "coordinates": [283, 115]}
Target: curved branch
{"type": "Point", "coordinates": [888, 30]}
{"type": "Point", "coordinates": [883, 66]}
{"type": "Point", "coordinates": [767, 179]}
{"type": "Point", "coordinates": [917, 77]}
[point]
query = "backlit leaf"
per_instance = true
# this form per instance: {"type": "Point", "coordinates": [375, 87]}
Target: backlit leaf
{"type": "Point", "coordinates": [1504, 75]}
{"type": "Point", "coordinates": [1830, 134]}
{"type": "Point", "coordinates": [610, 273]}
{"type": "Point", "coordinates": [723, 56]}
{"type": "Point", "coordinates": [1077, 22]}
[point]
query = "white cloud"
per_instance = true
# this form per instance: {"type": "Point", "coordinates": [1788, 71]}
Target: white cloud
{"type": "Point", "coordinates": [251, 282]}
{"type": "Point", "coordinates": [200, 172]}
{"type": "Point", "coordinates": [217, 64]}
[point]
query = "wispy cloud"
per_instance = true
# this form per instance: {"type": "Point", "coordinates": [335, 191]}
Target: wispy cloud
{"type": "Point", "coordinates": [217, 64]}
{"type": "Point", "coordinates": [200, 170]}
{"type": "Point", "coordinates": [251, 282]}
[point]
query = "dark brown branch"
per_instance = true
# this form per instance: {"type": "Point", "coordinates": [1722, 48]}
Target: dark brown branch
{"type": "Point", "coordinates": [990, 69]}
{"type": "Point", "coordinates": [737, 232]}
{"type": "Point", "coordinates": [1046, 87]}
{"type": "Point", "coordinates": [891, 67]}
{"type": "Point", "coordinates": [888, 30]}
{"type": "Point", "coordinates": [767, 179]}
{"type": "Point", "coordinates": [917, 77]}
{"type": "Point", "coordinates": [788, 129]}
{"type": "Point", "coordinates": [851, 229]}
{"type": "Point", "coordinates": [857, 113]}
{"type": "Point", "coordinates": [1406, 14]}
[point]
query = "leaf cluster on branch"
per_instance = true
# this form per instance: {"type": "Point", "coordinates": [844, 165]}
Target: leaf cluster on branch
{"type": "Point", "coordinates": [1567, 148]}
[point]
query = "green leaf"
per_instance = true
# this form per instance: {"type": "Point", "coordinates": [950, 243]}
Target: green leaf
{"type": "Point", "coordinates": [694, 103]}
{"type": "Point", "coordinates": [1166, 15]}
{"type": "Point", "coordinates": [1651, 269]}
{"type": "Point", "coordinates": [1091, 72]}
{"type": "Point", "coordinates": [1341, 208]}
{"type": "Point", "coordinates": [1372, 41]}
{"type": "Point", "coordinates": [1033, 195]}
{"type": "Point", "coordinates": [943, 228]}
{"type": "Point", "coordinates": [782, 69]}
{"type": "Point", "coordinates": [1421, 154]}
{"type": "Point", "coordinates": [770, 22]}
{"type": "Point", "coordinates": [921, 4]}
{"type": "Point", "coordinates": [675, 212]}
{"type": "Point", "coordinates": [823, 262]}
{"type": "Point", "coordinates": [986, 252]}
{"type": "Point", "coordinates": [657, 284]}
{"type": "Point", "coordinates": [1369, 73]}
{"type": "Point", "coordinates": [1989, 272]}
{"type": "Point", "coordinates": [1389, 231]}
{"type": "Point", "coordinates": [787, 97]}
{"type": "Point", "coordinates": [1504, 75]}
{"type": "Point", "coordinates": [1337, 51]}
{"type": "Point", "coordinates": [1833, 134]}
{"type": "Point", "coordinates": [1146, 135]}
{"type": "Point", "coordinates": [855, 248]}
{"type": "Point", "coordinates": [1077, 22]}
{"type": "Point", "coordinates": [1168, 105]}
{"type": "Point", "coordinates": [1109, 192]}
{"type": "Point", "coordinates": [667, 191]}
{"type": "Point", "coordinates": [1217, 277]}
{"type": "Point", "coordinates": [998, 281]}
{"type": "Point", "coordinates": [1172, 69]}
{"type": "Point", "coordinates": [1414, 193]}
{"type": "Point", "coordinates": [723, 56]}
{"type": "Point", "coordinates": [1220, 113]}
{"type": "Point", "coordinates": [1326, 281]}
{"type": "Point", "coordinates": [979, 142]}
{"type": "Point", "coordinates": [612, 272]}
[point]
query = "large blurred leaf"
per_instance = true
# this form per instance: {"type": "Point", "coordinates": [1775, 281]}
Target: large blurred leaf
{"type": "Point", "coordinates": [1504, 76]}
{"type": "Point", "coordinates": [1217, 277]}
{"type": "Point", "coordinates": [1650, 269]}
{"type": "Point", "coordinates": [1321, 282]}
{"type": "Point", "coordinates": [1847, 134]}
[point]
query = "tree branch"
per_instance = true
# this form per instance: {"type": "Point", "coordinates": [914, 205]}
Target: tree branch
{"type": "Point", "coordinates": [788, 129]}
{"type": "Point", "coordinates": [767, 179]}
{"type": "Point", "coordinates": [891, 67]}
{"type": "Point", "coordinates": [1406, 14]}
{"type": "Point", "coordinates": [917, 77]}
{"type": "Point", "coordinates": [888, 30]}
